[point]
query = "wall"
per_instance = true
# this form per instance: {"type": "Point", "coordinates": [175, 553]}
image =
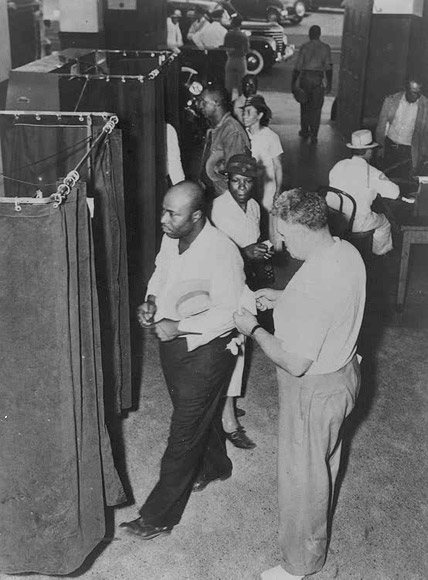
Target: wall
{"type": "Point", "coordinates": [142, 27]}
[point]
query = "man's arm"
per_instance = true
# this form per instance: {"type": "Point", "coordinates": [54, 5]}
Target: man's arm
{"type": "Point", "coordinates": [226, 286]}
{"type": "Point", "coordinates": [278, 172]}
{"type": "Point", "coordinates": [382, 185]}
{"type": "Point", "coordinates": [290, 362]}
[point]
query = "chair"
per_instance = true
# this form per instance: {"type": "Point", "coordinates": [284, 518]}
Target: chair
{"type": "Point", "coordinates": [340, 223]}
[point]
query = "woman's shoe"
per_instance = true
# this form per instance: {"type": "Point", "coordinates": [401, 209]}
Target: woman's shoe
{"type": "Point", "coordinates": [240, 439]}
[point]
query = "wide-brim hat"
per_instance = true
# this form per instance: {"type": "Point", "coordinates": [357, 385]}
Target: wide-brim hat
{"type": "Point", "coordinates": [176, 14]}
{"type": "Point", "coordinates": [242, 165]}
{"type": "Point", "coordinates": [362, 139]}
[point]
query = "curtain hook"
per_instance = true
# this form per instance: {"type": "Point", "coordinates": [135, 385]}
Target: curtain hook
{"type": "Point", "coordinates": [17, 206]}
{"type": "Point", "coordinates": [38, 117]}
{"type": "Point", "coordinates": [123, 79]}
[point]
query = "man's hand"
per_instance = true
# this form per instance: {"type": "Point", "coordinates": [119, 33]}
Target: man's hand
{"type": "Point", "coordinates": [257, 252]}
{"type": "Point", "coordinates": [166, 329]}
{"type": "Point", "coordinates": [266, 298]}
{"type": "Point", "coordinates": [146, 312]}
{"type": "Point", "coordinates": [244, 321]}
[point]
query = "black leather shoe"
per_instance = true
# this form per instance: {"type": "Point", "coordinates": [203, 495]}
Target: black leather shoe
{"type": "Point", "coordinates": [314, 140]}
{"type": "Point", "coordinates": [145, 531]}
{"type": "Point", "coordinates": [240, 412]}
{"type": "Point", "coordinates": [202, 482]}
{"type": "Point", "coordinates": [240, 439]}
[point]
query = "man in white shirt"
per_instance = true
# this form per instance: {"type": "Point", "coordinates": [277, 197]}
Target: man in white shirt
{"type": "Point", "coordinates": [174, 39]}
{"type": "Point", "coordinates": [189, 304]}
{"type": "Point", "coordinates": [317, 321]}
{"type": "Point", "coordinates": [212, 35]}
{"type": "Point", "coordinates": [364, 183]}
{"type": "Point", "coordinates": [403, 130]}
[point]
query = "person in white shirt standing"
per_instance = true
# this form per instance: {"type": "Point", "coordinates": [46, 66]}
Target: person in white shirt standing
{"type": "Point", "coordinates": [364, 182]}
{"type": "Point", "coordinates": [190, 300]}
{"type": "Point", "coordinates": [174, 39]}
{"type": "Point", "coordinates": [237, 214]}
{"type": "Point", "coordinates": [266, 147]}
{"type": "Point", "coordinates": [403, 130]}
{"type": "Point", "coordinates": [213, 34]}
{"type": "Point", "coordinates": [317, 322]}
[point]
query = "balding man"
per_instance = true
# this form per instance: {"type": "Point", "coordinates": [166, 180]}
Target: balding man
{"type": "Point", "coordinates": [225, 138]}
{"type": "Point", "coordinates": [190, 300]}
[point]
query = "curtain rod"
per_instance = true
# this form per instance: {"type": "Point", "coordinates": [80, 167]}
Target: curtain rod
{"type": "Point", "coordinates": [104, 115]}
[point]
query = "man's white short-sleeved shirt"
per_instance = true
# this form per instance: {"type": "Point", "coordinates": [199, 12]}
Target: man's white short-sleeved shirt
{"type": "Point", "coordinates": [319, 314]}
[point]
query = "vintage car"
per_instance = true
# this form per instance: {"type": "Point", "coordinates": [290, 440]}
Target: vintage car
{"type": "Point", "coordinates": [315, 5]}
{"type": "Point", "coordinates": [281, 11]}
{"type": "Point", "coordinates": [268, 42]}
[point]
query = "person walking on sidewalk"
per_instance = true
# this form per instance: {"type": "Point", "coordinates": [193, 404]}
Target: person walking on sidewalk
{"type": "Point", "coordinates": [313, 62]}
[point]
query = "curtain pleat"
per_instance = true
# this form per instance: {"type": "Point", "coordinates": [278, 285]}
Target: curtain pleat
{"type": "Point", "coordinates": [57, 469]}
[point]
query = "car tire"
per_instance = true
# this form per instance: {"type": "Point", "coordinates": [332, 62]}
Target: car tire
{"type": "Point", "coordinates": [255, 62]}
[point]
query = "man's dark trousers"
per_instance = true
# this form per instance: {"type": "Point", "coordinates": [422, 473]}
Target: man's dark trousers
{"type": "Point", "coordinates": [196, 381]}
{"type": "Point", "coordinates": [311, 82]}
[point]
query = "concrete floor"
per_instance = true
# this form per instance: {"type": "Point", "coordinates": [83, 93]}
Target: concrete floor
{"type": "Point", "coordinates": [228, 532]}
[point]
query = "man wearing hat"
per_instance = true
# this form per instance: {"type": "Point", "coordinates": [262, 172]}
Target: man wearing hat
{"type": "Point", "coordinates": [237, 215]}
{"type": "Point", "coordinates": [174, 39]}
{"type": "Point", "coordinates": [364, 182]}
{"type": "Point", "coordinates": [190, 300]}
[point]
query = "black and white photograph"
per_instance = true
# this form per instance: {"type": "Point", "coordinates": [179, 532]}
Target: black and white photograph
{"type": "Point", "coordinates": [214, 289]}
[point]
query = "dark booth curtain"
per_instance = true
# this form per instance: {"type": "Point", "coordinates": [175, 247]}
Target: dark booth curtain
{"type": "Point", "coordinates": [57, 470]}
{"type": "Point", "coordinates": [36, 153]}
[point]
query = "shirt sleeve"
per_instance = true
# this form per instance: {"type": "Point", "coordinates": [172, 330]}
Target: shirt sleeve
{"type": "Point", "coordinates": [156, 281]}
{"type": "Point", "coordinates": [382, 185]}
{"type": "Point", "coordinates": [175, 169]}
{"type": "Point", "coordinates": [226, 286]}
{"type": "Point", "coordinates": [275, 147]}
{"type": "Point", "coordinates": [300, 59]}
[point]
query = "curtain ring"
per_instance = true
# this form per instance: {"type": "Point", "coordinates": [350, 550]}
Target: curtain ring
{"type": "Point", "coordinates": [17, 206]}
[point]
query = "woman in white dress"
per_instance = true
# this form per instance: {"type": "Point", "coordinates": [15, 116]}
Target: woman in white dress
{"type": "Point", "coordinates": [267, 149]}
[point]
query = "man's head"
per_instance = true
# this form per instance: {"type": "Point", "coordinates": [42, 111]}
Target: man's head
{"type": "Point", "coordinates": [175, 15]}
{"type": "Point", "coordinates": [241, 171]}
{"type": "Point", "coordinates": [215, 102]}
{"type": "Point", "coordinates": [236, 21]}
{"type": "Point", "coordinates": [303, 221]}
{"type": "Point", "coordinates": [249, 85]}
{"type": "Point", "coordinates": [314, 32]}
{"type": "Point", "coordinates": [413, 90]}
{"type": "Point", "coordinates": [183, 210]}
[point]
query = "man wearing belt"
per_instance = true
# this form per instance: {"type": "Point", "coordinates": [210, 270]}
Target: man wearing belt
{"type": "Point", "coordinates": [190, 300]}
{"type": "Point", "coordinates": [403, 130]}
{"type": "Point", "coordinates": [313, 62]}
{"type": "Point", "coordinates": [317, 321]}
